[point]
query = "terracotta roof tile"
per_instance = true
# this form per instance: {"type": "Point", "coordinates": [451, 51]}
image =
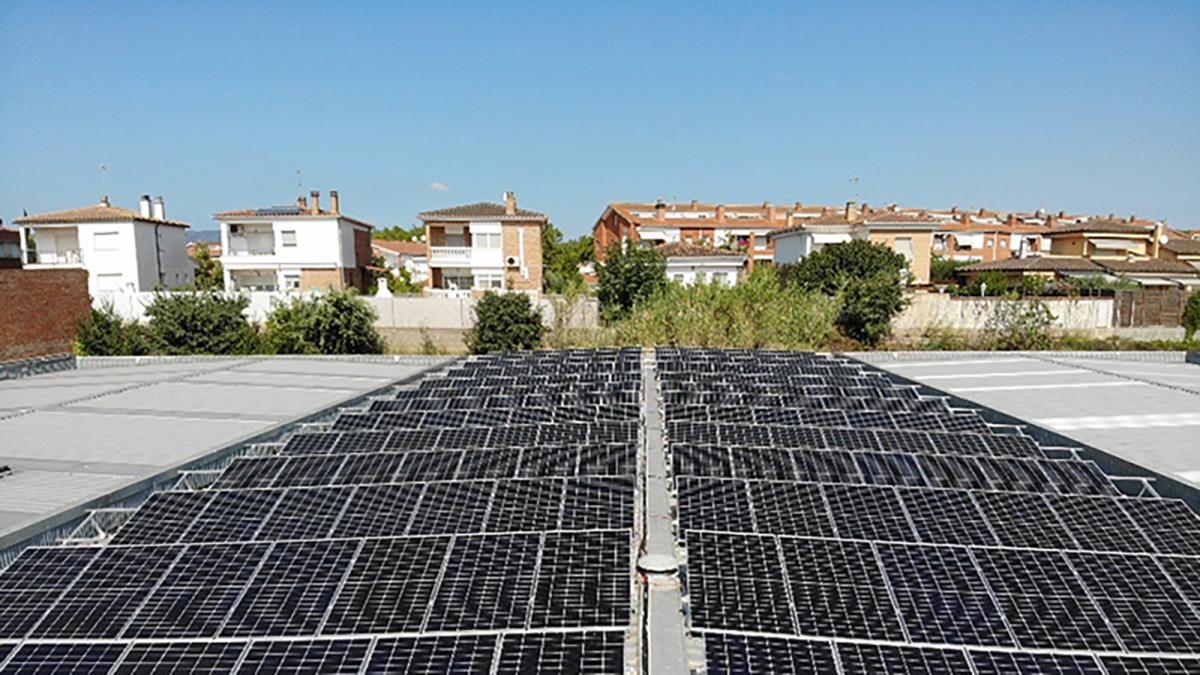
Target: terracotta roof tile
{"type": "Point", "coordinates": [96, 213]}
{"type": "Point", "coordinates": [288, 211]}
{"type": "Point", "coordinates": [480, 210]}
{"type": "Point", "coordinates": [401, 247]}
{"type": "Point", "coordinates": [1103, 225]}
{"type": "Point", "coordinates": [681, 249]}
{"type": "Point", "coordinates": [1183, 246]}
{"type": "Point", "coordinates": [1149, 267]}
{"type": "Point", "coordinates": [1036, 264]}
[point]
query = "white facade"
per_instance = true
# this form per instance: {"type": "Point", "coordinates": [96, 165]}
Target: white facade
{"type": "Point", "coordinates": [793, 246]}
{"type": "Point", "coordinates": [417, 265]}
{"type": "Point", "coordinates": [133, 255]}
{"type": "Point", "coordinates": [718, 269]}
{"type": "Point", "coordinates": [265, 253]}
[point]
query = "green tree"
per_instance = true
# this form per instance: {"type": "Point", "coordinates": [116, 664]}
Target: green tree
{"type": "Point", "coordinates": [1191, 315]}
{"type": "Point", "coordinates": [338, 322]}
{"type": "Point", "coordinates": [210, 276]}
{"type": "Point", "coordinates": [561, 260]}
{"type": "Point", "coordinates": [105, 333]}
{"type": "Point", "coordinates": [867, 279]}
{"type": "Point", "coordinates": [400, 233]}
{"type": "Point", "coordinates": [629, 274]}
{"type": "Point", "coordinates": [992, 282]}
{"type": "Point", "coordinates": [400, 283]}
{"type": "Point", "coordinates": [943, 270]}
{"type": "Point", "coordinates": [505, 322]}
{"type": "Point", "coordinates": [200, 323]}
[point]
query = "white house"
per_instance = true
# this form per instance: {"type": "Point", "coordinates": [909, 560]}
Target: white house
{"type": "Point", "coordinates": [122, 250]}
{"type": "Point", "coordinates": [412, 256]}
{"type": "Point", "coordinates": [695, 264]}
{"type": "Point", "coordinates": [301, 247]}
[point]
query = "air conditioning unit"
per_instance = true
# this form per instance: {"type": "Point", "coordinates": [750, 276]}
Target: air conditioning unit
{"type": "Point", "coordinates": [512, 261]}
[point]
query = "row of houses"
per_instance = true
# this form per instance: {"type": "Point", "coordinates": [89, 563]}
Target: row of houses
{"type": "Point", "coordinates": [473, 248]}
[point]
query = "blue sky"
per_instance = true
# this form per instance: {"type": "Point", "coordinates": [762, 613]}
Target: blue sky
{"type": "Point", "coordinates": [402, 107]}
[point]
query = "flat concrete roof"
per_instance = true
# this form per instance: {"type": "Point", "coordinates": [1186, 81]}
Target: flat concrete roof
{"type": "Point", "coordinates": [1140, 407]}
{"type": "Point", "coordinates": [77, 438]}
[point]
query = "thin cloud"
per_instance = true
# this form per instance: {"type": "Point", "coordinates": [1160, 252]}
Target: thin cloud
{"type": "Point", "coordinates": [439, 187]}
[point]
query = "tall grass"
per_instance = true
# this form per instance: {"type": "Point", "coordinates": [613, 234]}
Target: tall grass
{"type": "Point", "coordinates": [759, 312]}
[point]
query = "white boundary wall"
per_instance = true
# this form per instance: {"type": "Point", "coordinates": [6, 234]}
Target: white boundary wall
{"type": "Point", "coordinates": [395, 312]}
{"type": "Point", "coordinates": [939, 310]}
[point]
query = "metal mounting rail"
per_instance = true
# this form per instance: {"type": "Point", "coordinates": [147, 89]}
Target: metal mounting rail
{"type": "Point", "coordinates": [664, 635]}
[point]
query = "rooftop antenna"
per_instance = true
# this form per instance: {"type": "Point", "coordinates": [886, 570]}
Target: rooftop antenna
{"type": "Point", "coordinates": [300, 182]}
{"type": "Point", "coordinates": [103, 179]}
{"type": "Point", "coordinates": [855, 182]}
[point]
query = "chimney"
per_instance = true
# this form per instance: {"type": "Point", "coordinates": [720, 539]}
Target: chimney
{"type": "Point", "coordinates": [770, 211]}
{"type": "Point", "coordinates": [866, 208]}
{"type": "Point", "coordinates": [1159, 235]}
{"type": "Point", "coordinates": [660, 210]}
{"type": "Point", "coordinates": [158, 209]}
{"type": "Point", "coordinates": [893, 207]}
{"type": "Point", "coordinates": [144, 206]}
{"type": "Point", "coordinates": [1062, 215]}
{"type": "Point", "coordinates": [302, 202]}
{"type": "Point", "coordinates": [1012, 220]}
{"type": "Point", "coordinates": [104, 200]}
{"type": "Point", "coordinates": [851, 211]}
{"type": "Point", "coordinates": [1051, 221]}
{"type": "Point", "coordinates": [720, 213]}
{"type": "Point", "coordinates": [335, 204]}
{"type": "Point", "coordinates": [510, 203]}
{"type": "Point", "coordinates": [314, 207]}
{"type": "Point", "coordinates": [797, 206]}
{"type": "Point", "coordinates": [790, 219]}
{"type": "Point", "coordinates": [1132, 217]}
{"type": "Point", "coordinates": [694, 204]}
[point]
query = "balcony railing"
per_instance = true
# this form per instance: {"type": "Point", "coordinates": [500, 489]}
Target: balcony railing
{"type": "Point", "coordinates": [239, 246]}
{"type": "Point", "coordinates": [70, 256]}
{"type": "Point", "coordinates": [450, 255]}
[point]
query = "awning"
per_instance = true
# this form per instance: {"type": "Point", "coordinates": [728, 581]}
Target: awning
{"type": "Point", "coordinates": [1116, 244]}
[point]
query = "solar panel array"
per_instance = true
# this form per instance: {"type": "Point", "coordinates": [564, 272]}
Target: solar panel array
{"type": "Point", "coordinates": [481, 521]}
{"type": "Point", "coordinates": [834, 521]}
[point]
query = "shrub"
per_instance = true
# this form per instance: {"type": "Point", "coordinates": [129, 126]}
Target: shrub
{"type": "Point", "coordinates": [867, 306]}
{"type": "Point", "coordinates": [866, 278]}
{"type": "Point", "coordinates": [1019, 325]}
{"type": "Point", "coordinates": [756, 313]}
{"type": "Point", "coordinates": [1191, 316]}
{"type": "Point", "coordinates": [630, 274]}
{"type": "Point", "coordinates": [561, 261]}
{"type": "Point", "coordinates": [210, 276]}
{"type": "Point", "coordinates": [200, 323]}
{"type": "Point", "coordinates": [990, 283]}
{"type": "Point", "coordinates": [943, 270]}
{"type": "Point", "coordinates": [105, 333]}
{"type": "Point", "coordinates": [338, 322]}
{"type": "Point", "coordinates": [504, 323]}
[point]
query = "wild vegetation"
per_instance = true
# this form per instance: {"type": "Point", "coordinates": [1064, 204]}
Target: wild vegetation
{"type": "Point", "coordinates": [630, 275]}
{"type": "Point", "coordinates": [867, 281]}
{"type": "Point", "coordinates": [561, 260]}
{"type": "Point", "coordinates": [338, 322]}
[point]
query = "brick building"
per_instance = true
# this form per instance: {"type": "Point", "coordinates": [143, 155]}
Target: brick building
{"type": "Point", "coordinates": [42, 309]}
{"type": "Point", "coordinates": [484, 246]}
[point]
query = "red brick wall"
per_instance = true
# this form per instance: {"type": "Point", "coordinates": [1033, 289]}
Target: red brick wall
{"type": "Point", "coordinates": [40, 310]}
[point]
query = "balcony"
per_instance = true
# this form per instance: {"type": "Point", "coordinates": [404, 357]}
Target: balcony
{"type": "Point", "coordinates": [252, 244]}
{"type": "Point", "coordinates": [450, 256]}
{"type": "Point", "coordinates": [455, 293]}
{"type": "Point", "coordinates": [70, 256]}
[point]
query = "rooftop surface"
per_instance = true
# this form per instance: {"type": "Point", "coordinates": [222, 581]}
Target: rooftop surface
{"type": "Point", "coordinates": [1144, 411]}
{"type": "Point", "coordinates": [76, 436]}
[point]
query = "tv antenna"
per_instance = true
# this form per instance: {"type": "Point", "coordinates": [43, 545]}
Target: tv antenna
{"type": "Point", "coordinates": [103, 179]}
{"type": "Point", "coordinates": [300, 182]}
{"type": "Point", "coordinates": [854, 180]}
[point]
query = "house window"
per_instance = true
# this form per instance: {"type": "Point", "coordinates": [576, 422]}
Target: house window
{"type": "Point", "coordinates": [489, 281]}
{"type": "Point", "coordinates": [287, 237]}
{"type": "Point", "coordinates": [486, 240]}
{"type": "Point", "coordinates": [291, 282]}
{"type": "Point", "coordinates": [106, 241]}
{"type": "Point", "coordinates": [904, 247]}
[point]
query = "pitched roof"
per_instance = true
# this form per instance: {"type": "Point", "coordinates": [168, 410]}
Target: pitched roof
{"type": "Point", "coordinates": [1149, 267]}
{"type": "Point", "coordinates": [288, 211]}
{"type": "Point", "coordinates": [480, 210]}
{"type": "Point", "coordinates": [1105, 225]}
{"type": "Point", "coordinates": [1036, 264]}
{"type": "Point", "coordinates": [96, 213]}
{"type": "Point", "coordinates": [680, 249]}
{"type": "Point", "coordinates": [1183, 246]}
{"type": "Point", "coordinates": [900, 218]}
{"type": "Point", "coordinates": [401, 247]}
